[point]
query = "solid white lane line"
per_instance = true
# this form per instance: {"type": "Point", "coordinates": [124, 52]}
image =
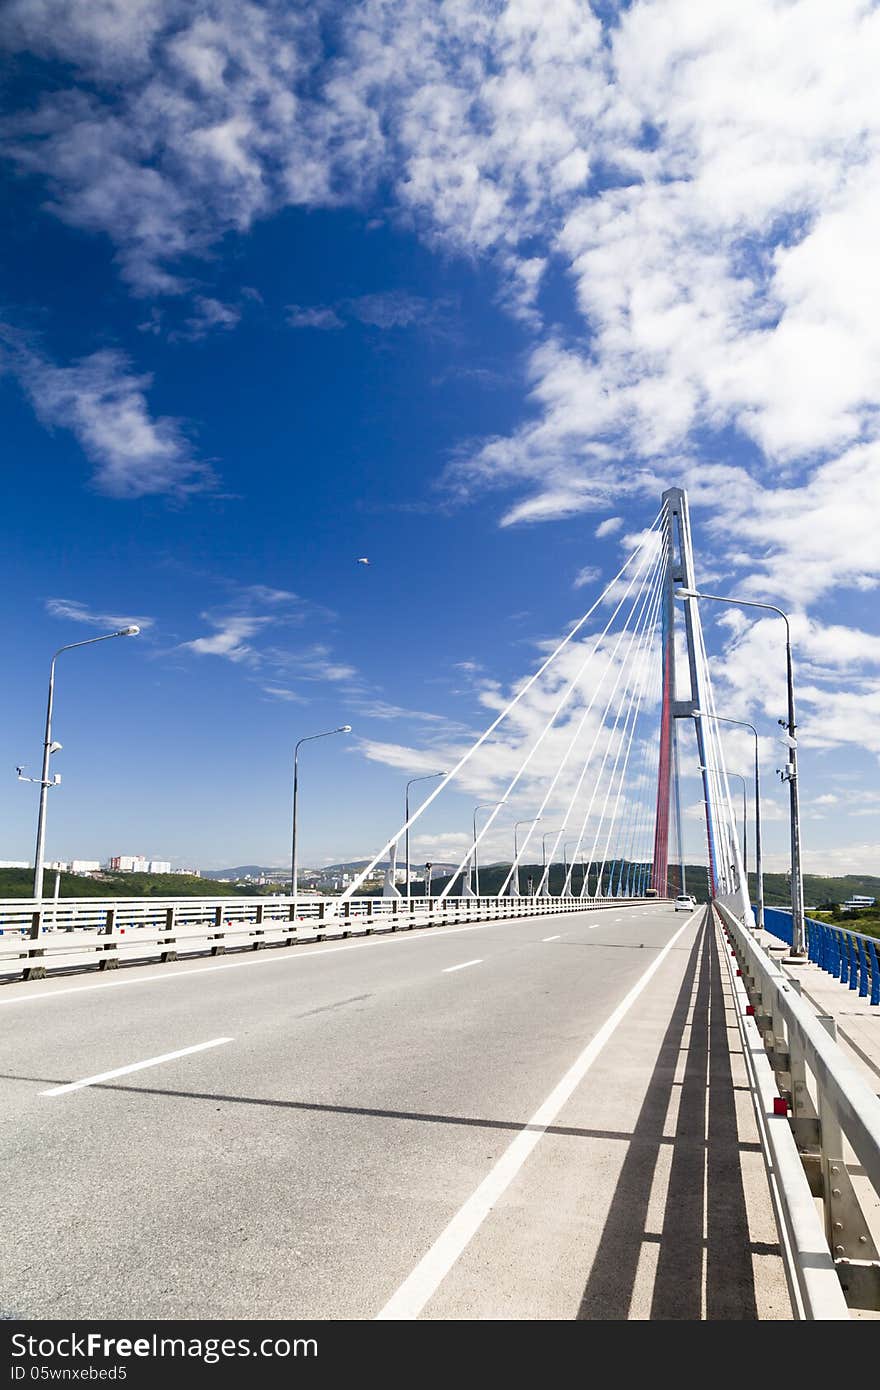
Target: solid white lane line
{"type": "Point", "coordinates": [135, 1066]}
{"type": "Point", "coordinates": [464, 965]}
{"type": "Point", "coordinates": [551, 938]}
{"type": "Point", "coordinates": [429, 1273]}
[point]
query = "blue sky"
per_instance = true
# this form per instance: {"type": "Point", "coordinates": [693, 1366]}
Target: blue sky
{"type": "Point", "coordinates": [287, 286]}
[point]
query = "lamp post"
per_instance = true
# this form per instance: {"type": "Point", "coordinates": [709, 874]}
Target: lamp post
{"type": "Point", "coordinates": [544, 859]}
{"type": "Point", "coordinates": [725, 772]}
{"type": "Point", "coordinates": [798, 934]}
{"type": "Point", "coordinates": [426, 777]}
{"type": "Point", "coordinates": [759, 863]}
{"type": "Point", "coordinates": [534, 820]}
{"type": "Point", "coordinates": [484, 806]}
{"type": "Point", "coordinates": [49, 748]}
{"type": "Point", "coordinates": [343, 729]}
{"type": "Point", "coordinates": [565, 847]}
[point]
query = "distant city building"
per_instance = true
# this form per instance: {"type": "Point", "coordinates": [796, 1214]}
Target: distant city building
{"type": "Point", "coordinates": [160, 866]}
{"type": "Point", "coordinates": [85, 866]}
{"type": "Point", "coordinates": [128, 864]}
{"type": "Point", "coordinates": [15, 864]}
{"type": "Point", "coordinates": [194, 873]}
{"type": "Point", "coordinates": [858, 901]}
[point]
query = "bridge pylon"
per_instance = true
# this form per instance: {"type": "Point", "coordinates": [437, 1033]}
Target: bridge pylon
{"type": "Point", "coordinates": [682, 620]}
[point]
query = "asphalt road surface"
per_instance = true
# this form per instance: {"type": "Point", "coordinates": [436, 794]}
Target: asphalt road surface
{"type": "Point", "coordinates": [535, 1118]}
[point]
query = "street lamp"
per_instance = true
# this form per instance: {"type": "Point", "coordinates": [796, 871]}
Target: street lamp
{"type": "Point", "coordinates": [798, 933]}
{"type": "Point", "coordinates": [565, 848]}
{"type": "Point", "coordinates": [534, 820]}
{"type": "Point", "coordinates": [343, 729]}
{"type": "Point", "coordinates": [49, 748]}
{"type": "Point", "coordinates": [426, 778]}
{"type": "Point", "coordinates": [725, 772]}
{"type": "Point", "coordinates": [485, 806]}
{"type": "Point", "coordinates": [759, 863]}
{"type": "Point", "coordinates": [544, 874]}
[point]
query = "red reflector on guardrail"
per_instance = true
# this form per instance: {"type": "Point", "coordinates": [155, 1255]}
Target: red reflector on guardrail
{"type": "Point", "coordinates": [750, 1009]}
{"type": "Point", "coordinates": [780, 1105]}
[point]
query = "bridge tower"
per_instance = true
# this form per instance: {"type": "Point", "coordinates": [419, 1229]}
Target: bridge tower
{"type": "Point", "coordinates": [679, 573]}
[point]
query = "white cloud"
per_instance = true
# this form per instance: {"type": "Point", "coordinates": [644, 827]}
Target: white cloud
{"type": "Point", "coordinates": [278, 692]}
{"type": "Point", "coordinates": [105, 406]}
{"type": "Point", "coordinates": [209, 315]}
{"type": "Point", "coordinates": [391, 309]}
{"type": "Point", "coordinates": [312, 316]}
{"type": "Point", "coordinates": [183, 126]}
{"type": "Point", "coordinates": [73, 611]}
{"type": "Point", "coordinates": [229, 638]}
{"type": "Point", "coordinates": [588, 575]}
{"type": "Point", "coordinates": [705, 185]}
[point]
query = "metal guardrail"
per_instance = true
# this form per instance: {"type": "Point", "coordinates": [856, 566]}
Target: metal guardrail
{"type": "Point", "coordinates": [829, 1102]}
{"type": "Point", "coordinates": [103, 932]}
{"type": "Point", "coordinates": [848, 956]}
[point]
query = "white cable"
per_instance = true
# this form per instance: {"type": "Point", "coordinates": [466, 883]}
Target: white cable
{"type": "Point", "coordinates": [563, 763]}
{"type": "Point", "coordinates": [643, 600]}
{"type": "Point", "coordinates": [637, 692]}
{"type": "Point", "coordinates": [514, 868]}
{"type": "Point", "coordinates": [546, 729]}
{"type": "Point", "coordinates": [659, 569]}
{"type": "Point", "coordinates": [635, 804]}
{"type": "Point", "coordinates": [352, 888]}
{"type": "Point", "coordinates": [655, 601]}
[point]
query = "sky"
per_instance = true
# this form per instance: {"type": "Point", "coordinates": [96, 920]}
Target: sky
{"type": "Point", "coordinates": [460, 290]}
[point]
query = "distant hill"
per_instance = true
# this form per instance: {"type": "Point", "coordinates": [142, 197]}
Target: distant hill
{"type": "Point", "coordinates": [817, 888]}
{"type": "Point", "coordinates": [19, 883]}
{"type": "Point", "coordinates": [243, 871]}
{"type": "Point", "coordinates": [350, 866]}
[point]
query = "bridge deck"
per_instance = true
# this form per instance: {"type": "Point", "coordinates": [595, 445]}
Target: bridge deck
{"type": "Point", "coordinates": [425, 1124]}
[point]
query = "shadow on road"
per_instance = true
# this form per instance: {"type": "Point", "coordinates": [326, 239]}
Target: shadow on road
{"type": "Point", "coordinates": [705, 1220]}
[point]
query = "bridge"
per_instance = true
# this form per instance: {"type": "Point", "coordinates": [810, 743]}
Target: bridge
{"type": "Point", "coordinates": [597, 1102]}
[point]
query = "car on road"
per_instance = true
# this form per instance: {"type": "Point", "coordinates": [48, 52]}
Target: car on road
{"type": "Point", "coordinates": [685, 903]}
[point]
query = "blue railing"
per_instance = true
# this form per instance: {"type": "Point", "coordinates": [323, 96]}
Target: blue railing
{"type": "Point", "coordinates": [848, 956]}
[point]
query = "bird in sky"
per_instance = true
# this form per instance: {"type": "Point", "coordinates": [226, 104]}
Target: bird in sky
{"type": "Point", "coordinates": [363, 560]}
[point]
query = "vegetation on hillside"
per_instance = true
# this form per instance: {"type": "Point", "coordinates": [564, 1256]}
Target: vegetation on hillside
{"type": "Point", "coordinates": [19, 883]}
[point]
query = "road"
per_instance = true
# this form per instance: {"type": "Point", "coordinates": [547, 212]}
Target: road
{"type": "Point", "coordinates": [507, 1120]}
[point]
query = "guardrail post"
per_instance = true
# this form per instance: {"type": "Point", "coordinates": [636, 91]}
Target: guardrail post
{"type": "Point", "coordinates": [169, 926]}
{"type": "Point", "coordinates": [107, 962]}
{"type": "Point", "coordinates": [34, 972]}
{"type": "Point", "coordinates": [863, 970]}
{"type": "Point", "coordinates": [846, 1230]}
{"type": "Point", "coordinates": [804, 1119]}
{"type": "Point", "coordinates": [875, 973]}
{"type": "Point", "coordinates": [258, 922]}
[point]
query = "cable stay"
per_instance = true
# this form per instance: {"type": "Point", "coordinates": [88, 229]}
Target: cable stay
{"type": "Point", "coordinates": [613, 712]}
{"type": "Point", "coordinates": [353, 887]}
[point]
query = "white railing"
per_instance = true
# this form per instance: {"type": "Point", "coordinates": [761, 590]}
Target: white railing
{"type": "Point", "coordinates": [103, 932]}
{"type": "Point", "coordinates": [796, 1066]}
